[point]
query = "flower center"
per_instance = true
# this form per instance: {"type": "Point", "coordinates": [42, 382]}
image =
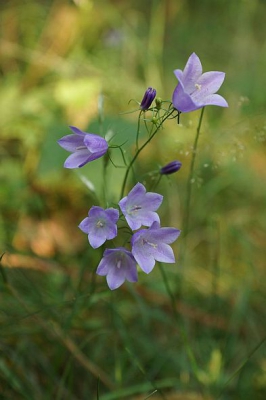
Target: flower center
{"type": "Point", "coordinates": [118, 264]}
{"type": "Point", "coordinates": [153, 245]}
{"type": "Point", "coordinates": [100, 224]}
{"type": "Point", "coordinates": [197, 86]}
{"type": "Point", "coordinates": [81, 148]}
{"type": "Point", "coordinates": [134, 209]}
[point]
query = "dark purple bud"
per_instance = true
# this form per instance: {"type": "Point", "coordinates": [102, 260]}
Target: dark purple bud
{"type": "Point", "coordinates": [170, 168]}
{"type": "Point", "coordinates": [148, 98]}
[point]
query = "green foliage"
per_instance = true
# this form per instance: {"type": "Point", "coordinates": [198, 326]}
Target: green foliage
{"type": "Point", "coordinates": [63, 334]}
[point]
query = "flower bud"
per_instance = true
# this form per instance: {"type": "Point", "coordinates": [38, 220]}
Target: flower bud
{"type": "Point", "coordinates": [170, 168]}
{"type": "Point", "coordinates": [148, 98]}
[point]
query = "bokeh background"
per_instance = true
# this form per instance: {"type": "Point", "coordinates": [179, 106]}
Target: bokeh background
{"type": "Point", "coordinates": [63, 334]}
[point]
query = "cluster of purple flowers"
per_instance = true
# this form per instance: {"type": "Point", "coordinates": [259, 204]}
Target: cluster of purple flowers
{"type": "Point", "coordinates": [148, 245]}
{"type": "Point", "coordinates": [151, 243]}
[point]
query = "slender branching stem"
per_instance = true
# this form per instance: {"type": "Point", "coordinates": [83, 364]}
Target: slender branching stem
{"type": "Point", "coordinates": [138, 151]}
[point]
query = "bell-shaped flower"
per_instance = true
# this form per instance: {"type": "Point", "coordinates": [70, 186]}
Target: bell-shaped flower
{"type": "Point", "coordinates": [100, 225]}
{"type": "Point", "coordinates": [195, 89]}
{"type": "Point", "coordinates": [139, 207]}
{"type": "Point", "coordinates": [152, 244]}
{"type": "Point", "coordinates": [171, 168]}
{"type": "Point", "coordinates": [85, 147]}
{"type": "Point", "coordinates": [118, 265]}
{"type": "Point", "coordinates": [148, 98]}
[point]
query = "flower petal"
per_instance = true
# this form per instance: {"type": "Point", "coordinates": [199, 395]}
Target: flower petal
{"type": "Point", "coordinates": [96, 237]}
{"type": "Point", "coordinates": [183, 101]}
{"type": "Point", "coordinates": [208, 84]}
{"type": "Point", "coordinates": [96, 145]}
{"type": "Point", "coordinates": [77, 131]}
{"type": "Point", "coordinates": [78, 159]}
{"type": "Point", "coordinates": [166, 235]}
{"type": "Point", "coordinates": [152, 201]}
{"type": "Point", "coordinates": [164, 253]}
{"type": "Point", "coordinates": [191, 73]}
{"type": "Point", "coordinates": [131, 272]}
{"type": "Point", "coordinates": [115, 278]}
{"type": "Point", "coordinates": [145, 218]}
{"type": "Point", "coordinates": [85, 225]}
{"type": "Point", "coordinates": [71, 142]}
{"type": "Point", "coordinates": [113, 214]}
{"type": "Point", "coordinates": [215, 100]}
{"type": "Point", "coordinates": [118, 264]}
{"type": "Point", "coordinates": [145, 260]}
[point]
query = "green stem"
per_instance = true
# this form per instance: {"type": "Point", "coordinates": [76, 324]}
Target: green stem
{"type": "Point", "coordinates": [168, 114]}
{"type": "Point", "coordinates": [189, 184]}
{"type": "Point", "coordinates": [138, 130]}
{"type": "Point", "coordinates": [184, 336]}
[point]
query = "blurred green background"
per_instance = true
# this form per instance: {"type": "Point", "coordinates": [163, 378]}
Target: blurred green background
{"type": "Point", "coordinates": [63, 334]}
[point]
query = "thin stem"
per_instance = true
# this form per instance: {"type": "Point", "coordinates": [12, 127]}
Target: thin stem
{"type": "Point", "coordinates": [189, 185]}
{"type": "Point", "coordinates": [183, 332]}
{"type": "Point", "coordinates": [138, 130]}
{"type": "Point", "coordinates": [141, 148]}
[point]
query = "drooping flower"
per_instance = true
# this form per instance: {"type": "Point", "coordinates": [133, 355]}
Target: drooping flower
{"type": "Point", "coordinates": [85, 147]}
{"type": "Point", "coordinates": [152, 244]}
{"type": "Point", "coordinates": [196, 90]}
{"type": "Point", "coordinates": [139, 207]}
{"type": "Point", "coordinates": [148, 98]}
{"type": "Point", "coordinates": [171, 168]}
{"type": "Point", "coordinates": [100, 225]}
{"type": "Point", "coordinates": [118, 265]}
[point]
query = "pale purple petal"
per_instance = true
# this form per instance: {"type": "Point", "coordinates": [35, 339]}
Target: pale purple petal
{"type": "Point", "coordinates": [71, 142]}
{"type": "Point", "coordinates": [77, 131]}
{"type": "Point", "coordinates": [115, 278]}
{"type": "Point", "coordinates": [192, 72]}
{"type": "Point", "coordinates": [144, 259]}
{"type": "Point", "coordinates": [100, 225]}
{"type": "Point", "coordinates": [77, 159]}
{"type": "Point", "coordinates": [213, 80]}
{"type": "Point", "coordinates": [113, 214]}
{"type": "Point", "coordinates": [182, 101]}
{"type": "Point", "coordinates": [195, 90]}
{"type": "Point", "coordinates": [179, 74]}
{"type": "Point", "coordinates": [152, 201]}
{"type": "Point", "coordinates": [145, 218]}
{"type": "Point", "coordinates": [85, 225]}
{"type": "Point", "coordinates": [85, 147]}
{"type": "Point", "coordinates": [119, 265]}
{"type": "Point", "coordinates": [215, 100]}
{"type": "Point", "coordinates": [139, 207]}
{"type": "Point", "coordinates": [152, 244]}
{"type": "Point", "coordinates": [135, 195]}
{"type": "Point", "coordinates": [95, 144]}
{"type": "Point", "coordinates": [164, 253]}
{"type": "Point", "coordinates": [208, 84]}
{"type": "Point", "coordinates": [167, 235]}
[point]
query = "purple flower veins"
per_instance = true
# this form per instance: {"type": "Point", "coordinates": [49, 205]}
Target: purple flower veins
{"type": "Point", "coordinates": [152, 244]}
{"type": "Point", "coordinates": [196, 90]}
{"type": "Point", "coordinates": [118, 265]}
{"type": "Point", "coordinates": [139, 207]}
{"type": "Point", "coordinates": [85, 147]}
{"type": "Point", "coordinates": [100, 225]}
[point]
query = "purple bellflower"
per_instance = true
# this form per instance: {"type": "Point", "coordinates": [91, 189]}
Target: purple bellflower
{"type": "Point", "coordinates": [152, 244]}
{"type": "Point", "coordinates": [85, 147]}
{"type": "Point", "coordinates": [148, 98]}
{"type": "Point", "coordinates": [171, 168]}
{"type": "Point", "coordinates": [139, 207]}
{"type": "Point", "coordinates": [118, 265]}
{"type": "Point", "coordinates": [100, 225]}
{"type": "Point", "coordinates": [196, 90]}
